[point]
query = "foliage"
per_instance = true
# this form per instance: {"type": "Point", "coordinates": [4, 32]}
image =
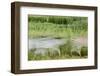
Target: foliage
{"type": "Point", "coordinates": [56, 26]}
{"type": "Point", "coordinates": [84, 51]}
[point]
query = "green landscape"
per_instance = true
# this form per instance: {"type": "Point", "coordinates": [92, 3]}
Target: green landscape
{"type": "Point", "coordinates": [57, 37]}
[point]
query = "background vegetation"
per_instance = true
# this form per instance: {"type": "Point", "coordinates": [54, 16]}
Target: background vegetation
{"type": "Point", "coordinates": [56, 26]}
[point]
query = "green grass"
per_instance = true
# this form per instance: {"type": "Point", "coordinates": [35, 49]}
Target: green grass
{"type": "Point", "coordinates": [65, 53]}
{"type": "Point", "coordinates": [52, 30]}
{"type": "Point", "coordinates": [56, 26]}
{"type": "Point", "coordinates": [61, 28]}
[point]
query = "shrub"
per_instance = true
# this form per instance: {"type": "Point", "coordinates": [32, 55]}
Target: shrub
{"type": "Point", "coordinates": [84, 51]}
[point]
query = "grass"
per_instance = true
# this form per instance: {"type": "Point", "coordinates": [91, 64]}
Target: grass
{"type": "Point", "coordinates": [58, 27]}
{"type": "Point", "coordinates": [55, 26]}
{"type": "Point", "coordinates": [65, 53]}
{"type": "Point", "coordinates": [52, 30]}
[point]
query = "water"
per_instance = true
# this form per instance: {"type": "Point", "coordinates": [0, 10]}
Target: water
{"type": "Point", "coordinates": [42, 45]}
{"type": "Point", "coordinates": [45, 43]}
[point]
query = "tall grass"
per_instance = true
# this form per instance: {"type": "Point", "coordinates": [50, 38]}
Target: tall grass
{"type": "Point", "coordinates": [56, 19]}
{"type": "Point", "coordinates": [65, 53]}
{"type": "Point", "coordinates": [56, 26]}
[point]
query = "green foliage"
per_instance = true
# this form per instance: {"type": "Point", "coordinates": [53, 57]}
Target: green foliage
{"type": "Point", "coordinates": [30, 56]}
{"type": "Point", "coordinates": [56, 26]}
{"type": "Point", "coordinates": [65, 49]}
{"type": "Point", "coordinates": [58, 19]}
{"type": "Point", "coordinates": [84, 51]}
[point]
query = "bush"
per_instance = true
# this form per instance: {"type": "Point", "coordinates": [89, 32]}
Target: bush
{"type": "Point", "coordinates": [84, 51]}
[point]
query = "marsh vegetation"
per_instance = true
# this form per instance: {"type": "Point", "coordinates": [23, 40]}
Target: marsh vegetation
{"type": "Point", "coordinates": [57, 37]}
